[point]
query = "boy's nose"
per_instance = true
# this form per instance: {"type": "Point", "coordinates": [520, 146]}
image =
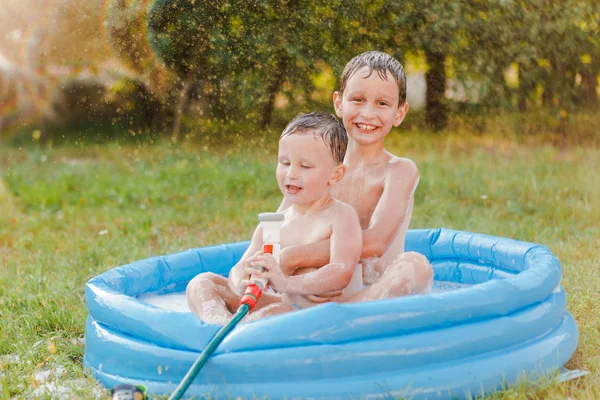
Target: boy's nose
{"type": "Point", "coordinates": [292, 173]}
{"type": "Point", "coordinates": [367, 111]}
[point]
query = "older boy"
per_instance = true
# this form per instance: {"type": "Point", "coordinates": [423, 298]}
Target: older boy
{"type": "Point", "coordinates": [311, 152]}
{"type": "Point", "coordinates": [379, 185]}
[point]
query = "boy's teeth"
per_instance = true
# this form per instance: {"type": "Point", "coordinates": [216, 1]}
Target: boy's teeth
{"type": "Point", "coordinates": [366, 127]}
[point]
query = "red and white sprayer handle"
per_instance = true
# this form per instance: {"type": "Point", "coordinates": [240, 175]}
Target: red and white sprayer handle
{"type": "Point", "coordinates": [271, 226]}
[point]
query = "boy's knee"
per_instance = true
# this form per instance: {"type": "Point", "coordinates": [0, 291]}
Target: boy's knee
{"type": "Point", "coordinates": [210, 277]}
{"type": "Point", "coordinates": [205, 282]}
{"type": "Point", "coordinates": [208, 287]}
{"type": "Point", "coordinates": [423, 272]}
{"type": "Point", "coordinates": [413, 257]}
{"type": "Point", "coordinates": [416, 269]}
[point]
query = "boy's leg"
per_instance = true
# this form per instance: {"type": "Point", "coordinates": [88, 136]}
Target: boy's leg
{"type": "Point", "coordinates": [410, 273]}
{"type": "Point", "coordinates": [209, 297]}
{"type": "Point", "coordinates": [270, 310]}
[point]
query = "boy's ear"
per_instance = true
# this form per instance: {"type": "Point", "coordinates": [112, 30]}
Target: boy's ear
{"type": "Point", "coordinates": [337, 175]}
{"type": "Point", "coordinates": [401, 114]}
{"type": "Point", "coordinates": [337, 103]}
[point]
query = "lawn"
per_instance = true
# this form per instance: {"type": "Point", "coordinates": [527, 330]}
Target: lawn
{"type": "Point", "coordinates": [73, 211]}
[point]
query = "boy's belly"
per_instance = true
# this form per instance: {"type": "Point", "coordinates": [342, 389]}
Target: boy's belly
{"type": "Point", "coordinates": [355, 286]}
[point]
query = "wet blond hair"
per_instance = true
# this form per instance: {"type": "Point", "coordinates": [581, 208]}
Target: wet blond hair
{"type": "Point", "coordinates": [380, 62]}
{"type": "Point", "coordinates": [324, 125]}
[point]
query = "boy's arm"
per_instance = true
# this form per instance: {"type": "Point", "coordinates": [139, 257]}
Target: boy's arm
{"type": "Point", "coordinates": [399, 187]}
{"type": "Point", "coordinates": [237, 274]}
{"type": "Point", "coordinates": [345, 244]}
{"type": "Point", "coordinates": [346, 241]}
{"type": "Point", "coordinates": [294, 257]}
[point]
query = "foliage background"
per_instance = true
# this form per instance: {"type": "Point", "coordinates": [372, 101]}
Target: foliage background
{"type": "Point", "coordinates": [132, 128]}
{"type": "Point", "coordinates": [180, 67]}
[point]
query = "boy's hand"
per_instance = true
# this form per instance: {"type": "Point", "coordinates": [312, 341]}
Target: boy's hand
{"type": "Point", "coordinates": [239, 287]}
{"type": "Point", "coordinates": [273, 272]}
{"type": "Point", "coordinates": [285, 261]}
{"type": "Point", "coordinates": [324, 297]}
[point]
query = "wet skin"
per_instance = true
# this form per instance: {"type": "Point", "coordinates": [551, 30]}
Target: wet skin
{"type": "Point", "coordinates": [306, 172]}
{"type": "Point", "coordinates": [377, 185]}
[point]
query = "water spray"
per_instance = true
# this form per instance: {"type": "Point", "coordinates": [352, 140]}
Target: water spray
{"type": "Point", "coordinates": [271, 226]}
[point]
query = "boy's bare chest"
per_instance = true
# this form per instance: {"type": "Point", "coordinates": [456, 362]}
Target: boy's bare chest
{"type": "Point", "coordinates": [299, 231]}
{"type": "Point", "coordinates": [361, 189]}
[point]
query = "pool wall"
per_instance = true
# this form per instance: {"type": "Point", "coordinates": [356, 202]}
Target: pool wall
{"type": "Point", "coordinates": [512, 320]}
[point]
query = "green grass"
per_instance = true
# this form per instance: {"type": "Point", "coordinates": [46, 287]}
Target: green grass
{"type": "Point", "coordinates": [72, 212]}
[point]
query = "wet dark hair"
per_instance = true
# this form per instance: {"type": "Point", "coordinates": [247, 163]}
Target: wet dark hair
{"type": "Point", "coordinates": [324, 125]}
{"type": "Point", "coordinates": [380, 62]}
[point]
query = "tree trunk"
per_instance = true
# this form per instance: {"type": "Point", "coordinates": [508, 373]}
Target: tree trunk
{"type": "Point", "coordinates": [553, 94]}
{"type": "Point", "coordinates": [273, 88]}
{"type": "Point", "coordinates": [183, 96]}
{"type": "Point", "coordinates": [524, 89]}
{"type": "Point", "coordinates": [436, 113]}
{"type": "Point", "coordinates": [588, 95]}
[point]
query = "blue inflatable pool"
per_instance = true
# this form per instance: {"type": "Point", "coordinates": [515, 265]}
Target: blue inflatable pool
{"type": "Point", "coordinates": [510, 319]}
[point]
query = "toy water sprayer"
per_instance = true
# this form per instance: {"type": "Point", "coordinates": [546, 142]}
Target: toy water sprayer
{"type": "Point", "coordinates": [271, 227]}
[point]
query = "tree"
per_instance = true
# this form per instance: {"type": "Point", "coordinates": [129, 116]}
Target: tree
{"type": "Point", "coordinates": [153, 84]}
{"type": "Point", "coordinates": [180, 32]}
{"type": "Point", "coordinates": [243, 52]}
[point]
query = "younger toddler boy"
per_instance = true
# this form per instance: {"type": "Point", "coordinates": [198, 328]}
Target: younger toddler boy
{"type": "Point", "coordinates": [311, 152]}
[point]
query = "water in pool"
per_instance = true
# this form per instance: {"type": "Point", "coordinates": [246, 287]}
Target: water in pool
{"type": "Point", "coordinates": [177, 301]}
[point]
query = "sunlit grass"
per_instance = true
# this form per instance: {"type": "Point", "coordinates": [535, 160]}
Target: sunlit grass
{"type": "Point", "coordinates": [72, 212]}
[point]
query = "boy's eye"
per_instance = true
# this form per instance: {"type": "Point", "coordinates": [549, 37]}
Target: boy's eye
{"type": "Point", "coordinates": [284, 162]}
{"type": "Point", "coordinates": [305, 166]}
{"type": "Point", "coordinates": [383, 103]}
{"type": "Point", "coordinates": [357, 100]}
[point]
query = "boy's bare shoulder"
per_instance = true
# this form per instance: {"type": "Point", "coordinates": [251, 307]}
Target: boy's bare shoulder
{"type": "Point", "coordinates": [401, 166]}
{"type": "Point", "coordinates": [341, 206]}
{"type": "Point", "coordinates": [343, 211]}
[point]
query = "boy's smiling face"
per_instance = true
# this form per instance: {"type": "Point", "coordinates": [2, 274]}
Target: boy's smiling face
{"type": "Point", "coordinates": [369, 106]}
{"type": "Point", "coordinates": [305, 169]}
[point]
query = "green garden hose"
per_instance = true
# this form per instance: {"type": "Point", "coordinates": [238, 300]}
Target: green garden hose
{"type": "Point", "coordinates": [208, 351]}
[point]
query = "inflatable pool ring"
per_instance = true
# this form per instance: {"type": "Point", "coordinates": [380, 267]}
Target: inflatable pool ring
{"type": "Point", "coordinates": [507, 319]}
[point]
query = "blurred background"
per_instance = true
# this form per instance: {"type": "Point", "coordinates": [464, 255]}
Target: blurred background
{"type": "Point", "coordinates": [135, 128]}
{"type": "Point", "coordinates": [188, 68]}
